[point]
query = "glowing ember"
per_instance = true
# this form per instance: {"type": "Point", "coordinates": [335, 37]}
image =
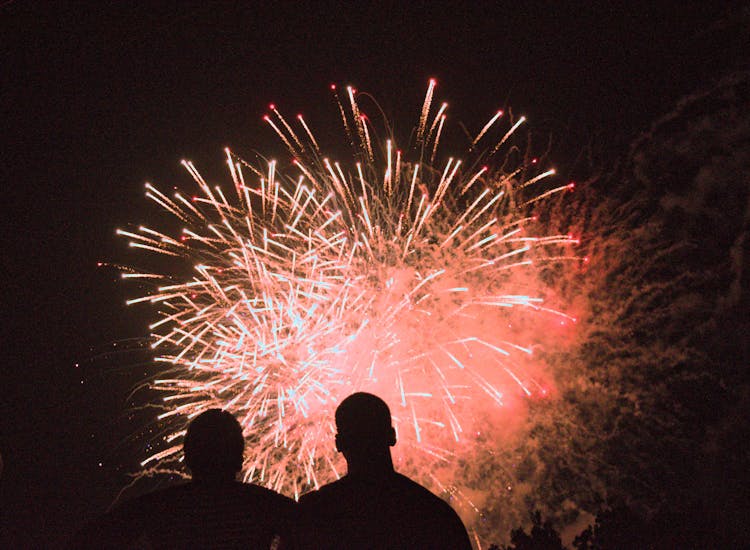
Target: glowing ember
{"type": "Point", "coordinates": [388, 274]}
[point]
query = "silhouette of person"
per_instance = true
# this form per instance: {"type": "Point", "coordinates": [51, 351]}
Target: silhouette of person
{"type": "Point", "coordinates": [213, 510]}
{"type": "Point", "coordinates": [373, 506]}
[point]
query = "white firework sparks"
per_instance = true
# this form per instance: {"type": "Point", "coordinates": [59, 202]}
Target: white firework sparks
{"type": "Point", "coordinates": [387, 274]}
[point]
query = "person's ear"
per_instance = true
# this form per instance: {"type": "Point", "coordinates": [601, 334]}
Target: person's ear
{"type": "Point", "coordinates": [392, 438]}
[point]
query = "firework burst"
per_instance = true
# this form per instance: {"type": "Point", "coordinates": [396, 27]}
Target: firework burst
{"type": "Point", "coordinates": [396, 273]}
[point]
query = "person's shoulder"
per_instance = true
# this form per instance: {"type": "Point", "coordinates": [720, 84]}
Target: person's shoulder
{"type": "Point", "coordinates": [235, 491]}
{"type": "Point", "coordinates": [166, 492]}
{"type": "Point", "coordinates": [452, 528]}
{"type": "Point", "coordinates": [261, 492]}
{"type": "Point", "coordinates": [126, 521]}
{"type": "Point", "coordinates": [411, 485]}
{"type": "Point", "coordinates": [325, 493]}
{"type": "Point", "coordinates": [423, 494]}
{"type": "Point", "coordinates": [258, 494]}
{"type": "Point", "coordinates": [156, 498]}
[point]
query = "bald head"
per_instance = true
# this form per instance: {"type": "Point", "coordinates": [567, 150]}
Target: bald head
{"type": "Point", "coordinates": [363, 420]}
{"type": "Point", "coordinates": [214, 445]}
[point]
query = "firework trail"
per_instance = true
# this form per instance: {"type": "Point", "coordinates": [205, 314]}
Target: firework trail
{"type": "Point", "coordinates": [391, 274]}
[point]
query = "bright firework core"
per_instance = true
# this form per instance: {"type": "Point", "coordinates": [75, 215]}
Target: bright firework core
{"type": "Point", "coordinates": [416, 281]}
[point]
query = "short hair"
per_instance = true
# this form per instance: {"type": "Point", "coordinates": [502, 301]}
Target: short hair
{"type": "Point", "coordinates": [214, 444]}
{"type": "Point", "coordinates": [364, 418]}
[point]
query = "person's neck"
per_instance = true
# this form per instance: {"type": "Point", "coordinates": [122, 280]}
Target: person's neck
{"type": "Point", "coordinates": [370, 465]}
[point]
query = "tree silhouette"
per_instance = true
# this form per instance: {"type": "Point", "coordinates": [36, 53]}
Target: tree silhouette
{"type": "Point", "coordinates": [542, 537]}
{"type": "Point", "coordinates": [616, 528]}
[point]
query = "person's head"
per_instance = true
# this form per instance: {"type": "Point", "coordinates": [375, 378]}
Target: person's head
{"type": "Point", "coordinates": [214, 445]}
{"type": "Point", "coordinates": [363, 425]}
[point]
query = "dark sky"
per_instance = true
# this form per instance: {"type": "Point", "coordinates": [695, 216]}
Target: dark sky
{"type": "Point", "coordinates": [98, 99]}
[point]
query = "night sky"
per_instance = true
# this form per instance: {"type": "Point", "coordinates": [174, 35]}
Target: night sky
{"type": "Point", "coordinates": [96, 100]}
